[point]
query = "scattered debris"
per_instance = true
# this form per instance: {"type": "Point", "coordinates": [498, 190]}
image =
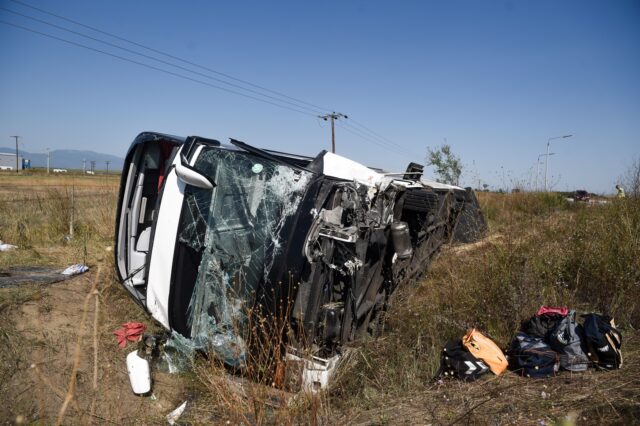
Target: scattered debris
{"type": "Point", "coordinates": [78, 268]}
{"type": "Point", "coordinates": [129, 332]}
{"type": "Point", "coordinates": [469, 247]}
{"type": "Point", "coordinates": [177, 354]}
{"type": "Point", "coordinates": [173, 416]}
{"type": "Point", "coordinates": [19, 275]}
{"type": "Point", "coordinates": [7, 247]}
{"type": "Point", "coordinates": [309, 375]}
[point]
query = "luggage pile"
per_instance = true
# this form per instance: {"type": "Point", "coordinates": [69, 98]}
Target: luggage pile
{"type": "Point", "coordinates": [553, 340]}
{"type": "Point", "coordinates": [550, 341]}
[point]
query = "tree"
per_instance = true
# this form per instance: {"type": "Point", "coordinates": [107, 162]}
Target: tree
{"type": "Point", "coordinates": [631, 179]}
{"type": "Point", "coordinates": [446, 164]}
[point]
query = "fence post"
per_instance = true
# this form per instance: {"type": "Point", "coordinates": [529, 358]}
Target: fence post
{"type": "Point", "coordinates": [72, 211]}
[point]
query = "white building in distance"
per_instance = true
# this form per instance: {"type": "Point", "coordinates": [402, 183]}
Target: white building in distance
{"type": "Point", "coordinates": [8, 161]}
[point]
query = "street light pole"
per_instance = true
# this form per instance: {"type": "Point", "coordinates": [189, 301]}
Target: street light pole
{"type": "Point", "coordinates": [546, 159]}
{"type": "Point", "coordinates": [538, 167]}
{"type": "Point", "coordinates": [16, 138]}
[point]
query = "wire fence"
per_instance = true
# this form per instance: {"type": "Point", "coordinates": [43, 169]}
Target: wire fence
{"type": "Point", "coordinates": [40, 199]}
{"type": "Point", "coordinates": [39, 213]}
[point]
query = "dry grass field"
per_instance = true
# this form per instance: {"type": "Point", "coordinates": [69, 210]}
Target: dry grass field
{"type": "Point", "coordinates": [60, 362]}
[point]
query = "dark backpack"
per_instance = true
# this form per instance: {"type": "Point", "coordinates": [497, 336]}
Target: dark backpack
{"type": "Point", "coordinates": [530, 356]}
{"type": "Point", "coordinates": [541, 325]}
{"type": "Point", "coordinates": [603, 341]}
{"type": "Point", "coordinates": [456, 361]}
{"type": "Point", "coordinates": [568, 340]}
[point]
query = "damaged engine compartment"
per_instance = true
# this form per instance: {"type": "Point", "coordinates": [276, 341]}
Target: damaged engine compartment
{"type": "Point", "coordinates": [212, 236]}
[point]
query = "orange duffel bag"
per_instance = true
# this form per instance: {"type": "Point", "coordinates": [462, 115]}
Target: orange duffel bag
{"type": "Point", "coordinates": [485, 349]}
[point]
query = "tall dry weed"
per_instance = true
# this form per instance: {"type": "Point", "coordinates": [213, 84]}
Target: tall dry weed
{"type": "Point", "coordinates": [264, 390]}
{"type": "Point", "coordinates": [42, 221]}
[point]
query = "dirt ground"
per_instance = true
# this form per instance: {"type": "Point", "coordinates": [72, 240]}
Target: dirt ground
{"type": "Point", "coordinates": [44, 336]}
{"type": "Point", "coordinates": [51, 332]}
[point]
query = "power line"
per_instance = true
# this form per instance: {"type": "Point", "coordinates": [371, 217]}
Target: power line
{"type": "Point", "coordinates": [154, 67]}
{"type": "Point", "coordinates": [159, 60]}
{"type": "Point", "coordinates": [369, 136]}
{"type": "Point", "coordinates": [380, 143]}
{"type": "Point", "coordinates": [353, 131]}
{"type": "Point", "coordinates": [169, 55]}
{"type": "Point", "coordinates": [375, 142]}
{"type": "Point", "coordinates": [361, 130]}
{"type": "Point", "coordinates": [360, 134]}
{"type": "Point", "coordinates": [377, 135]}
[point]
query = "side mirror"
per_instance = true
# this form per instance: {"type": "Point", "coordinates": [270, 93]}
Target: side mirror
{"type": "Point", "coordinates": [139, 373]}
{"type": "Point", "coordinates": [190, 176]}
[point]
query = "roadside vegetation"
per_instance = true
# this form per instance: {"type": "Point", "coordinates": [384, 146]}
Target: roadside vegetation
{"type": "Point", "coordinates": [540, 250]}
{"type": "Point", "coordinates": [36, 213]}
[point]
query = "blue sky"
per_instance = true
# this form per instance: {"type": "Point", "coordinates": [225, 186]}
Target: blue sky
{"type": "Point", "coordinates": [496, 79]}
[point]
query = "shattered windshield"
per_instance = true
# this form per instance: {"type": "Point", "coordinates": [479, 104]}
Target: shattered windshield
{"type": "Point", "coordinates": [236, 227]}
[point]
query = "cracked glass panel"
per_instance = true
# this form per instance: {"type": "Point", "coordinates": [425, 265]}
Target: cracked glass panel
{"type": "Point", "coordinates": [237, 228]}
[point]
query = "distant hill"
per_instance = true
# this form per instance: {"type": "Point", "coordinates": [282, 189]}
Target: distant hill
{"type": "Point", "coordinates": [70, 159]}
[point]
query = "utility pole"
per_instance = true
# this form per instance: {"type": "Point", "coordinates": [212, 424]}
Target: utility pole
{"type": "Point", "coordinates": [16, 137]}
{"type": "Point", "coordinates": [93, 166]}
{"type": "Point", "coordinates": [107, 166]}
{"type": "Point", "coordinates": [84, 166]}
{"type": "Point", "coordinates": [333, 116]}
{"type": "Point", "coordinates": [48, 159]}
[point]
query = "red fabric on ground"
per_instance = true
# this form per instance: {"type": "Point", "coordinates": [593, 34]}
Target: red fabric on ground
{"type": "Point", "coordinates": [129, 332]}
{"type": "Point", "coordinates": [563, 311]}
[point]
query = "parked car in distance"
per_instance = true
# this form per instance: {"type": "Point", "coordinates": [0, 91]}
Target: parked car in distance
{"type": "Point", "coordinates": [581, 195]}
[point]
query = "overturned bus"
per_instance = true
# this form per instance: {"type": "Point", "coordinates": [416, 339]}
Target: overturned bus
{"type": "Point", "coordinates": [208, 233]}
